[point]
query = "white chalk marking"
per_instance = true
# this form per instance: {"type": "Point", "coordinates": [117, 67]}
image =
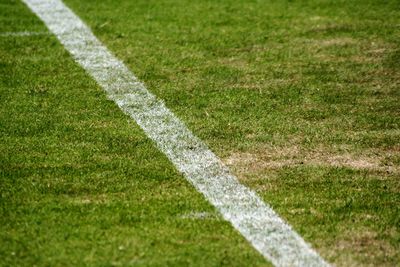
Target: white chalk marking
{"type": "Point", "coordinates": [257, 222]}
{"type": "Point", "coordinates": [22, 34]}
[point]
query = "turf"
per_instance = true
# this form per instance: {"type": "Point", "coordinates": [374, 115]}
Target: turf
{"type": "Point", "coordinates": [300, 98]}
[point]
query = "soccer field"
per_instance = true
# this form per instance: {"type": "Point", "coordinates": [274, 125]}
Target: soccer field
{"type": "Point", "coordinates": [299, 98]}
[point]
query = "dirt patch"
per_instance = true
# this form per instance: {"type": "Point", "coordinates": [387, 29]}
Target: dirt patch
{"type": "Point", "coordinates": [333, 28]}
{"type": "Point", "coordinates": [356, 245]}
{"type": "Point", "coordinates": [336, 42]}
{"type": "Point", "coordinates": [368, 51]}
{"type": "Point", "coordinates": [92, 199]}
{"type": "Point", "coordinates": [234, 62]}
{"type": "Point", "coordinates": [276, 158]}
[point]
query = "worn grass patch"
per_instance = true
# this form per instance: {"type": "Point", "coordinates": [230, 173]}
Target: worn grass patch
{"type": "Point", "coordinates": [384, 161]}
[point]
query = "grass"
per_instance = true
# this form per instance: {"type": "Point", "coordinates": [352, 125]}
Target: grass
{"type": "Point", "coordinates": [300, 98]}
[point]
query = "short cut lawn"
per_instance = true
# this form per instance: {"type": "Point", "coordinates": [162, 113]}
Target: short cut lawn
{"type": "Point", "coordinates": [300, 98]}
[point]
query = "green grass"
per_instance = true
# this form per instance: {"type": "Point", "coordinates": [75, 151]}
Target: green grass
{"type": "Point", "coordinates": [301, 98]}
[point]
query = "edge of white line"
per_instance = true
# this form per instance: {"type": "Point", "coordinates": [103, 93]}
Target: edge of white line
{"type": "Point", "coordinates": [253, 218]}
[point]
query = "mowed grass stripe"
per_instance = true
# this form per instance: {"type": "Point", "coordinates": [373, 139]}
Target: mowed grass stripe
{"type": "Point", "coordinates": [268, 233]}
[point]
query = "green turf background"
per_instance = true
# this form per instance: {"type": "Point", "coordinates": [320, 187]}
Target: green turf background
{"type": "Point", "coordinates": [81, 184]}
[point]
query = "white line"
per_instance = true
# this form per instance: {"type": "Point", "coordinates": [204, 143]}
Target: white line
{"type": "Point", "coordinates": [254, 219]}
{"type": "Point", "coordinates": [22, 34]}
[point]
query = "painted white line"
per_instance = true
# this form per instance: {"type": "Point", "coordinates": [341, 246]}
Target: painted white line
{"type": "Point", "coordinates": [22, 34]}
{"type": "Point", "coordinates": [257, 222]}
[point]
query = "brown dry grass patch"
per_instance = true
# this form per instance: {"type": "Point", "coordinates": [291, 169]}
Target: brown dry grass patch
{"type": "Point", "coordinates": [272, 158]}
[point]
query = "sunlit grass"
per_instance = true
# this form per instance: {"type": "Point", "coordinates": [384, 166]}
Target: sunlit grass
{"type": "Point", "coordinates": [300, 98]}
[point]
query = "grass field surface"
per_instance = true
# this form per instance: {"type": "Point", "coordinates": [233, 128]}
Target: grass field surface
{"type": "Point", "coordinates": [299, 98]}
